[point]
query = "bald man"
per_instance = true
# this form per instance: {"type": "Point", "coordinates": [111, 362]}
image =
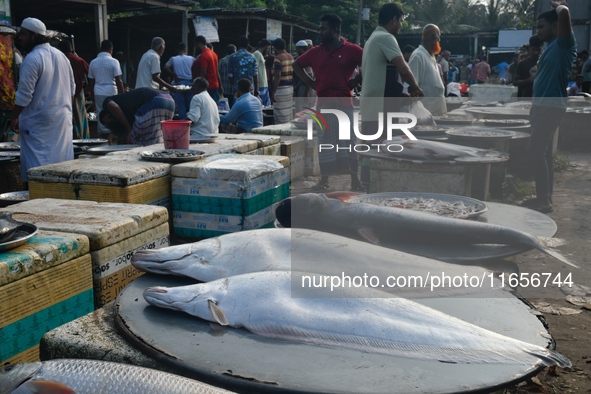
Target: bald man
{"type": "Point", "coordinates": [423, 65]}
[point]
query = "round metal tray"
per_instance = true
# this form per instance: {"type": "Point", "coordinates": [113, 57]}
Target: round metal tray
{"type": "Point", "coordinates": [503, 122]}
{"type": "Point", "coordinates": [169, 155]}
{"type": "Point", "coordinates": [90, 142]}
{"type": "Point", "coordinates": [479, 206]}
{"type": "Point", "coordinates": [300, 125]}
{"type": "Point", "coordinates": [20, 237]}
{"type": "Point", "coordinates": [15, 196]}
{"type": "Point", "coordinates": [428, 130]}
{"type": "Point", "coordinates": [11, 153]}
{"type": "Point", "coordinates": [202, 139]}
{"type": "Point", "coordinates": [453, 121]}
{"type": "Point", "coordinates": [10, 146]}
{"type": "Point", "coordinates": [103, 150]}
{"type": "Point", "coordinates": [8, 159]}
{"type": "Point", "coordinates": [479, 133]}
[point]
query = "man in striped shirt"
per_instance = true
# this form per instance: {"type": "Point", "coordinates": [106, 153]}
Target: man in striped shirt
{"type": "Point", "coordinates": [282, 91]}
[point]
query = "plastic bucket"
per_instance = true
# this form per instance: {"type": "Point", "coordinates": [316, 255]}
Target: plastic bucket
{"type": "Point", "coordinates": [176, 133]}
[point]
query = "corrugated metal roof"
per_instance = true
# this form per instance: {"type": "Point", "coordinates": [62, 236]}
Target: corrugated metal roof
{"type": "Point", "coordinates": [60, 10]}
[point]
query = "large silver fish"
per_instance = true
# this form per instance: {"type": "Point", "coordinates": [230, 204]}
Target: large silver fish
{"type": "Point", "coordinates": [262, 303]}
{"type": "Point", "coordinates": [304, 250]}
{"type": "Point", "coordinates": [95, 377]}
{"type": "Point", "coordinates": [378, 225]}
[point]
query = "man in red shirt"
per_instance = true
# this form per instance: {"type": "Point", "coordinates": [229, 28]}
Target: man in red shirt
{"type": "Point", "coordinates": [80, 69]}
{"type": "Point", "coordinates": [333, 62]}
{"type": "Point", "coordinates": [208, 64]}
{"type": "Point", "coordinates": [483, 71]}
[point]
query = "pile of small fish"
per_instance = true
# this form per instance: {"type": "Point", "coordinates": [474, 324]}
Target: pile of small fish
{"type": "Point", "coordinates": [183, 88]}
{"type": "Point", "coordinates": [9, 146]}
{"type": "Point", "coordinates": [454, 209]}
{"type": "Point", "coordinates": [478, 133]}
{"type": "Point", "coordinates": [173, 154]}
{"type": "Point", "coordinates": [95, 377]}
{"type": "Point", "coordinates": [15, 196]}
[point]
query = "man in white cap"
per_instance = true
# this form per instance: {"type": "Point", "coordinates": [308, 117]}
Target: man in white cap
{"type": "Point", "coordinates": [43, 108]}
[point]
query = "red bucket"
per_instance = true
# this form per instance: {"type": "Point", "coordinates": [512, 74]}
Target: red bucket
{"type": "Point", "coordinates": [176, 133]}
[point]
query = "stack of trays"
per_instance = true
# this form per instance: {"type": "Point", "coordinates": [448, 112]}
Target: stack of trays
{"type": "Point", "coordinates": [227, 193]}
{"type": "Point", "coordinates": [44, 283]}
{"type": "Point", "coordinates": [115, 232]}
{"type": "Point", "coordinates": [295, 149]}
{"type": "Point", "coordinates": [106, 179]}
{"type": "Point", "coordinates": [268, 145]}
{"type": "Point", "coordinates": [311, 163]}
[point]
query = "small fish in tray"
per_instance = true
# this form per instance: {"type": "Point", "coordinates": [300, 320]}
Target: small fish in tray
{"type": "Point", "coordinates": [183, 88]}
{"type": "Point", "coordinates": [7, 146]}
{"type": "Point", "coordinates": [172, 155]}
{"type": "Point", "coordinates": [443, 208]}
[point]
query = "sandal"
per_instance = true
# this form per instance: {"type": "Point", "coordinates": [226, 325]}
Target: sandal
{"type": "Point", "coordinates": [320, 186]}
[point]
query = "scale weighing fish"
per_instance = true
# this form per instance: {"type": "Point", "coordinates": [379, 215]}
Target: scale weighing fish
{"type": "Point", "coordinates": [284, 249]}
{"type": "Point", "coordinates": [378, 225]}
{"type": "Point", "coordinates": [70, 376]}
{"type": "Point", "coordinates": [261, 302]}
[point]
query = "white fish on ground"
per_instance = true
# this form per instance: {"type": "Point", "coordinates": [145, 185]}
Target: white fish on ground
{"type": "Point", "coordinates": [285, 249]}
{"type": "Point", "coordinates": [377, 224]}
{"type": "Point", "coordinates": [261, 302]}
{"type": "Point", "coordinates": [69, 376]}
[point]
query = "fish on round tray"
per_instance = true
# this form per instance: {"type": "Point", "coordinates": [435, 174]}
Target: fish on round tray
{"type": "Point", "coordinates": [172, 155]}
{"type": "Point", "coordinates": [459, 207]}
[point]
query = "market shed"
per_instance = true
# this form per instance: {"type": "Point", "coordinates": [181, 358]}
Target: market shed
{"type": "Point", "coordinates": [58, 14]}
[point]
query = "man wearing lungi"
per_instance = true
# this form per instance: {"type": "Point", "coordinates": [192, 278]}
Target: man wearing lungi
{"type": "Point", "coordinates": [134, 117]}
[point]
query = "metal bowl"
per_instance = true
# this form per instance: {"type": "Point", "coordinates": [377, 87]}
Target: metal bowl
{"type": "Point", "coordinates": [7, 199]}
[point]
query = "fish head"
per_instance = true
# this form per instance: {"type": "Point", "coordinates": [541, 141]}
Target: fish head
{"type": "Point", "coordinates": [12, 376]}
{"type": "Point", "coordinates": [175, 260]}
{"type": "Point", "coordinates": [316, 211]}
{"type": "Point", "coordinates": [301, 210]}
{"type": "Point", "coordinates": [197, 300]}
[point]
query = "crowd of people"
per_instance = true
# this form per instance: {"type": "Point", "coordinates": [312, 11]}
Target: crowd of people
{"type": "Point", "coordinates": [323, 76]}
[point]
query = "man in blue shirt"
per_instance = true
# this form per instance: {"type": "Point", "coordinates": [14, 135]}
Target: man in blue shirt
{"type": "Point", "coordinates": [502, 68]}
{"type": "Point", "coordinates": [243, 64]}
{"type": "Point", "coordinates": [549, 98]}
{"type": "Point", "coordinates": [247, 110]}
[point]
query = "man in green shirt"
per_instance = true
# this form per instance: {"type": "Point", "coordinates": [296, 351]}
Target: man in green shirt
{"type": "Point", "coordinates": [383, 69]}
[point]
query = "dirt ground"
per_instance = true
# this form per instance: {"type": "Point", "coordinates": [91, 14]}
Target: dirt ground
{"type": "Point", "coordinates": [569, 324]}
{"type": "Point", "coordinates": [572, 333]}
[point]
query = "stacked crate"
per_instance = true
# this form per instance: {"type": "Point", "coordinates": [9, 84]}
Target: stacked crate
{"type": "Point", "coordinates": [44, 283]}
{"type": "Point", "coordinates": [311, 163]}
{"type": "Point", "coordinates": [294, 148]}
{"type": "Point", "coordinates": [227, 193]}
{"type": "Point", "coordinates": [121, 178]}
{"type": "Point", "coordinates": [115, 231]}
{"type": "Point", "coordinates": [268, 145]}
